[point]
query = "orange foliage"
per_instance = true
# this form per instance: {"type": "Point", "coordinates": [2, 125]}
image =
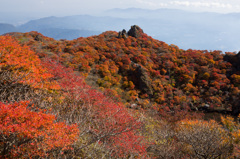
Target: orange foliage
{"type": "Point", "coordinates": [24, 63]}
{"type": "Point", "coordinates": [196, 73]}
{"type": "Point", "coordinates": [25, 133]}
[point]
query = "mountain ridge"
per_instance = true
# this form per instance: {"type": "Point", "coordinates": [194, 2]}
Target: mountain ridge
{"type": "Point", "coordinates": [211, 31]}
{"type": "Point", "coordinates": [116, 63]}
{"type": "Point", "coordinates": [143, 92]}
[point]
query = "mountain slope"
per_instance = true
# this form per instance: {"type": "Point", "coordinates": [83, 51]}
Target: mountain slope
{"type": "Point", "coordinates": [49, 110]}
{"type": "Point", "coordinates": [147, 73]}
{"type": "Point", "coordinates": [5, 28]}
{"type": "Point", "coordinates": [68, 34]}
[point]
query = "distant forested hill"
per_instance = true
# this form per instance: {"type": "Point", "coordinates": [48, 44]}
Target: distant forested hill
{"type": "Point", "coordinates": [5, 28]}
{"type": "Point", "coordinates": [68, 34]}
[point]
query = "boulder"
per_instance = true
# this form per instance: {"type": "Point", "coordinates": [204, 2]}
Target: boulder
{"type": "Point", "coordinates": [135, 31]}
{"type": "Point", "coordinates": [142, 81]}
{"type": "Point", "coordinates": [234, 60]}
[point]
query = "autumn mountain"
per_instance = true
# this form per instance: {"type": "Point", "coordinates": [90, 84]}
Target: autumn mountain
{"type": "Point", "coordinates": [115, 95]}
{"type": "Point", "coordinates": [140, 70]}
{"type": "Point", "coordinates": [47, 110]}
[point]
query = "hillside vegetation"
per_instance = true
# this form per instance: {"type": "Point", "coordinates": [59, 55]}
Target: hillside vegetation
{"type": "Point", "coordinates": [115, 95]}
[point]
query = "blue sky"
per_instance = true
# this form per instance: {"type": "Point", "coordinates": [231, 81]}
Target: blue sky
{"type": "Point", "coordinates": [71, 7]}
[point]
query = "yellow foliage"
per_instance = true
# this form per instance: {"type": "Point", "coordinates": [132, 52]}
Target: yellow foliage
{"type": "Point", "coordinates": [206, 76]}
{"type": "Point", "coordinates": [211, 61]}
{"type": "Point", "coordinates": [229, 123]}
{"type": "Point", "coordinates": [107, 78]}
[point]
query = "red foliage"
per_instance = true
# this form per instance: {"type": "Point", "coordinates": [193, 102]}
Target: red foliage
{"type": "Point", "coordinates": [23, 63]}
{"type": "Point", "coordinates": [25, 133]}
{"type": "Point", "coordinates": [114, 125]}
{"type": "Point", "coordinates": [197, 73]}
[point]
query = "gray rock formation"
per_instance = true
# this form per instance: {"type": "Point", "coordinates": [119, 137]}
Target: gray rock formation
{"type": "Point", "coordinates": [142, 80]}
{"type": "Point", "coordinates": [122, 34]}
{"type": "Point", "coordinates": [234, 60]}
{"type": "Point", "coordinates": [135, 31]}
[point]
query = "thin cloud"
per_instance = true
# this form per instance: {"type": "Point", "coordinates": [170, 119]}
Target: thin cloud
{"type": "Point", "coordinates": [152, 4]}
{"type": "Point", "coordinates": [202, 4]}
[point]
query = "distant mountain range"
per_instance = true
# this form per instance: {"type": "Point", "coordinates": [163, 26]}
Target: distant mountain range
{"type": "Point", "coordinates": [5, 28]}
{"type": "Point", "coordinates": [206, 30]}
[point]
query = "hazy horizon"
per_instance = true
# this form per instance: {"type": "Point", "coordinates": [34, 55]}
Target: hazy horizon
{"type": "Point", "coordinates": [187, 31]}
{"type": "Point", "coordinates": [76, 7]}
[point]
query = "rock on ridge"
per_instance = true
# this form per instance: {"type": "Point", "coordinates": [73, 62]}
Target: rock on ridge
{"type": "Point", "coordinates": [135, 31]}
{"type": "Point", "coordinates": [122, 34]}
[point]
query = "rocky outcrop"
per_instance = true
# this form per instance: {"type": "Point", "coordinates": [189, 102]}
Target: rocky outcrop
{"type": "Point", "coordinates": [38, 38]}
{"type": "Point", "coordinates": [122, 34]}
{"type": "Point", "coordinates": [141, 80]}
{"type": "Point", "coordinates": [135, 31]}
{"type": "Point", "coordinates": [234, 60]}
